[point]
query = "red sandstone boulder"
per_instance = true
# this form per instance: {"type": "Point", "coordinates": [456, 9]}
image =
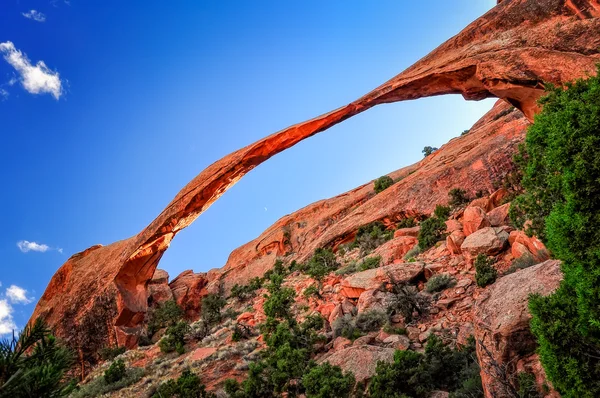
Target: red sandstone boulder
{"type": "Point", "coordinates": [188, 290]}
{"type": "Point", "coordinates": [354, 285]}
{"type": "Point", "coordinates": [374, 300]}
{"type": "Point", "coordinates": [484, 203]}
{"type": "Point", "coordinates": [158, 288]}
{"type": "Point", "coordinates": [395, 249]}
{"type": "Point", "coordinates": [499, 216]}
{"type": "Point", "coordinates": [454, 241]}
{"type": "Point", "coordinates": [414, 232]}
{"type": "Point", "coordinates": [501, 319]}
{"type": "Point", "coordinates": [498, 196]}
{"type": "Point", "coordinates": [474, 218]}
{"type": "Point", "coordinates": [489, 241]}
{"type": "Point", "coordinates": [453, 225]}
{"type": "Point", "coordinates": [533, 244]}
{"type": "Point", "coordinates": [361, 360]}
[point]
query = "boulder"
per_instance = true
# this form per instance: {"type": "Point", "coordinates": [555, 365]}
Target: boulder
{"type": "Point", "coordinates": [499, 216]}
{"type": "Point", "coordinates": [533, 244]}
{"type": "Point", "coordinates": [394, 249]}
{"type": "Point", "coordinates": [498, 196]}
{"type": "Point", "coordinates": [489, 241]}
{"type": "Point", "coordinates": [158, 288]}
{"type": "Point", "coordinates": [454, 241]}
{"type": "Point", "coordinates": [414, 232]}
{"type": "Point", "coordinates": [188, 290]}
{"type": "Point", "coordinates": [354, 285]}
{"type": "Point", "coordinates": [474, 219]}
{"type": "Point", "coordinates": [501, 318]}
{"type": "Point", "coordinates": [360, 360]}
{"type": "Point", "coordinates": [453, 225]}
{"type": "Point", "coordinates": [484, 203]}
{"type": "Point", "coordinates": [374, 299]}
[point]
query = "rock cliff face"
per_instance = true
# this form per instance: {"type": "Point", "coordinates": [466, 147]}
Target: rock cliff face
{"type": "Point", "coordinates": [509, 53]}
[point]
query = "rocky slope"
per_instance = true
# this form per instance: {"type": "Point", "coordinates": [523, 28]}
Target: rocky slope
{"type": "Point", "coordinates": [510, 52]}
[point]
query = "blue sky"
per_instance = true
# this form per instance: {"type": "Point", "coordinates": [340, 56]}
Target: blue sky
{"type": "Point", "coordinates": [108, 108]}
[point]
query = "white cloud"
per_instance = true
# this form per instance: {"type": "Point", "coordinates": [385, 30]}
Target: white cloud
{"type": "Point", "coordinates": [7, 324]}
{"type": "Point", "coordinates": [26, 246]}
{"type": "Point", "coordinates": [3, 94]}
{"type": "Point", "coordinates": [18, 295]}
{"type": "Point", "coordinates": [35, 15]}
{"type": "Point", "coordinates": [35, 79]}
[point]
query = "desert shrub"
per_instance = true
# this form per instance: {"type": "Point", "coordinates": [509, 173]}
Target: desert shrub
{"type": "Point", "coordinates": [345, 326]}
{"type": "Point", "coordinates": [407, 300]}
{"type": "Point", "coordinates": [528, 386]}
{"type": "Point", "coordinates": [188, 385]}
{"type": "Point", "coordinates": [370, 263]}
{"type": "Point", "coordinates": [245, 292]}
{"type": "Point", "coordinates": [370, 321]}
{"type": "Point", "coordinates": [412, 253]}
{"type": "Point", "coordinates": [371, 236]}
{"type": "Point", "coordinates": [115, 372]}
{"type": "Point", "coordinates": [35, 364]}
{"type": "Point", "coordinates": [389, 329]}
{"type": "Point", "coordinates": [428, 150]}
{"type": "Point", "coordinates": [407, 223]}
{"type": "Point", "coordinates": [351, 268]}
{"type": "Point", "coordinates": [277, 304]}
{"type": "Point", "coordinates": [165, 315]}
{"type": "Point", "coordinates": [325, 381]}
{"type": "Point", "coordinates": [383, 183]}
{"type": "Point", "coordinates": [311, 291]}
{"type": "Point", "coordinates": [525, 261]}
{"type": "Point", "coordinates": [110, 353]}
{"type": "Point", "coordinates": [441, 367]}
{"type": "Point", "coordinates": [321, 263]}
{"type": "Point", "coordinates": [458, 197]}
{"type": "Point", "coordinates": [465, 132]}
{"type": "Point", "coordinates": [174, 338]}
{"type": "Point", "coordinates": [442, 212]}
{"type": "Point", "coordinates": [99, 387]}
{"type": "Point", "coordinates": [440, 282]}
{"type": "Point", "coordinates": [432, 231]}
{"type": "Point", "coordinates": [485, 273]}
{"type": "Point", "coordinates": [212, 304]}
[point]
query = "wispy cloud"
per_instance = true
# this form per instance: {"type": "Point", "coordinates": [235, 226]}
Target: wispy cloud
{"type": "Point", "coordinates": [18, 295]}
{"type": "Point", "coordinates": [3, 94]}
{"type": "Point", "coordinates": [26, 246]}
{"type": "Point", "coordinates": [35, 15]}
{"type": "Point", "coordinates": [36, 79]}
{"type": "Point", "coordinates": [7, 324]}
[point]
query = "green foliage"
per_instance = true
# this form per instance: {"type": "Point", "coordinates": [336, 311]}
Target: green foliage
{"type": "Point", "coordinates": [428, 150]}
{"type": "Point", "coordinates": [442, 212]}
{"type": "Point", "coordinates": [528, 386]}
{"type": "Point", "coordinates": [371, 236]}
{"type": "Point", "coordinates": [321, 264]}
{"type": "Point", "coordinates": [188, 385]}
{"type": "Point", "coordinates": [98, 387]}
{"type": "Point", "coordinates": [432, 230]}
{"type": "Point", "coordinates": [371, 321]}
{"type": "Point", "coordinates": [110, 353]}
{"type": "Point", "coordinates": [115, 372]}
{"type": "Point", "coordinates": [465, 132]}
{"type": "Point", "coordinates": [440, 368]}
{"type": "Point", "coordinates": [370, 263]}
{"type": "Point", "coordinates": [311, 291]}
{"type": "Point", "coordinates": [240, 332]}
{"type": "Point", "coordinates": [525, 261]}
{"type": "Point", "coordinates": [280, 299]}
{"type": "Point", "coordinates": [383, 183]}
{"type": "Point", "coordinates": [326, 381]}
{"type": "Point", "coordinates": [165, 315]}
{"type": "Point", "coordinates": [407, 300]}
{"type": "Point", "coordinates": [412, 254]}
{"type": "Point", "coordinates": [407, 223]}
{"type": "Point", "coordinates": [246, 292]}
{"type": "Point", "coordinates": [485, 273]}
{"type": "Point", "coordinates": [458, 197]}
{"type": "Point", "coordinates": [174, 339]}
{"type": "Point", "coordinates": [440, 282]}
{"type": "Point", "coordinates": [561, 175]}
{"type": "Point", "coordinates": [34, 365]}
{"type": "Point", "coordinates": [212, 304]}
{"type": "Point", "coordinates": [345, 326]}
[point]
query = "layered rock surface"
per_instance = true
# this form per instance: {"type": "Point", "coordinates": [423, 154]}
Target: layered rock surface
{"type": "Point", "coordinates": [508, 53]}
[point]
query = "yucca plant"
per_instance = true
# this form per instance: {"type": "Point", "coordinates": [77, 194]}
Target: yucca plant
{"type": "Point", "coordinates": [34, 364]}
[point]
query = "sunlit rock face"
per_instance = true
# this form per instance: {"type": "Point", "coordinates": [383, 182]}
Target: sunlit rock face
{"type": "Point", "coordinates": [509, 53]}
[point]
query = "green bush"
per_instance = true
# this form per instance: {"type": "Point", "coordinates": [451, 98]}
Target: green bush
{"type": "Point", "coordinates": [115, 372]}
{"type": "Point", "coordinates": [442, 212]}
{"type": "Point", "coordinates": [345, 326]}
{"type": "Point", "coordinates": [383, 183]}
{"type": "Point", "coordinates": [485, 273]}
{"type": "Point", "coordinates": [188, 385]}
{"type": "Point", "coordinates": [321, 263]}
{"type": "Point", "coordinates": [99, 387]}
{"type": "Point", "coordinates": [174, 339]}
{"type": "Point", "coordinates": [440, 282]}
{"type": "Point", "coordinates": [412, 253]}
{"type": "Point", "coordinates": [311, 291]}
{"type": "Point", "coordinates": [525, 261]}
{"type": "Point", "coordinates": [370, 263]}
{"type": "Point", "coordinates": [407, 223]}
{"type": "Point", "coordinates": [110, 353]}
{"type": "Point", "coordinates": [165, 315]}
{"type": "Point", "coordinates": [428, 150]}
{"type": "Point", "coordinates": [326, 381]}
{"type": "Point", "coordinates": [280, 299]}
{"type": "Point", "coordinates": [416, 375]}
{"type": "Point", "coordinates": [432, 231]}
{"type": "Point", "coordinates": [371, 321]}
{"type": "Point", "coordinates": [246, 292]}
{"type": "Point", "coordinates": [458, 197]}
{"type": "Point", "coordinates": [212, 304]}
{"type": "Point", "coordinates": [240, 332]}
{"type": "Point", "coordinates": [371, 236]}
{"type": "Point", "coordinates": [528, 386]}
{"type": "Point", "coordinates": [407, 300]}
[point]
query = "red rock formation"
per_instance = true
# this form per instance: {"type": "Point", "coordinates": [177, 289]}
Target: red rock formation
{"type": "Point", "coordinates": [508, 53]}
